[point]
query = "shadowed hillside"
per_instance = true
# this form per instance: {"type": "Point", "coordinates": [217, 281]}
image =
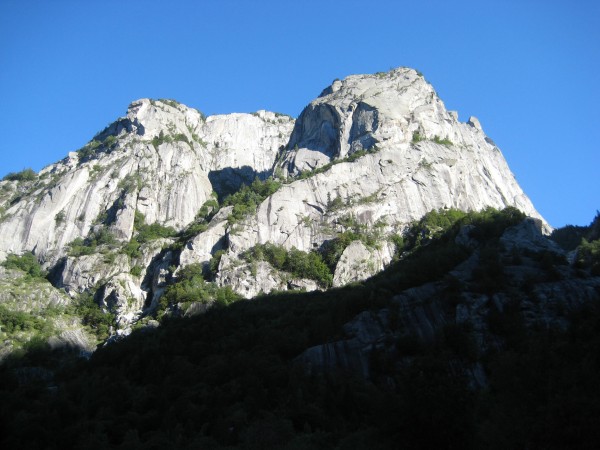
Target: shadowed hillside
{"type": "Point", "coordinates": [482, 334]}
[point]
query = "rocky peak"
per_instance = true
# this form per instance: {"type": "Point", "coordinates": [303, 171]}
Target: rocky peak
{"type": "Point", "coordinates": [362, 111]}
{"type": "Point", "coordinates": [151, 117]}
{"type": "Point", "coordinates": [370, 155]}
{"type": "Point", "coordinates": [162, 159]}
{"type": "Point", "coordinates": [146, 119]}
{"type": "Point", "coordinates": [474, 122]}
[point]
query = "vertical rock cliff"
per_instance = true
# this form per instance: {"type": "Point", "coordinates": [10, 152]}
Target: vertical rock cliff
{"type": "Point", "coordinates": [370, 155]}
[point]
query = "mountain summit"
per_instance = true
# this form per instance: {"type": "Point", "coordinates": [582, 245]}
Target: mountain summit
{"type": "Point", "coordinates": [166, 188]}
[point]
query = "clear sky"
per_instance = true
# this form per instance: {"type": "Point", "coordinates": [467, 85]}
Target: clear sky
{"type": "Point", "coordinates": [529, 70]}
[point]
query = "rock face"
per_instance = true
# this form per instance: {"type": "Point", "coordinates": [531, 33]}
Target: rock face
{"type": "Point", "coordinates": [528, 236]}
{"type": "Point", "coordinates": [159, 159]}
{"type": "Point", "coordinates": [359, 262]}
{"type": "Point", "coordinates": [18, 292]}
{"type": "Point", "coordinates": [411, 156]}
{"type": "Point", "coordinates": [425, 158]}
{"type": "Point", "coordinates": [202, 247]}
{"type": "Point", "coordinates": [35, 299]}
{"type": "Point", "coordinates": [543, 298]}
{"type": "Point", "coordinates": [371, 153]}
{"type": "Point", "coordinates": [364, 333]}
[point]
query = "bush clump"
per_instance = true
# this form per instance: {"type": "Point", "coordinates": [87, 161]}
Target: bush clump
{"type": "Point", "coordinates": [417, 137]}
{"type": "Point", "coordinates": [213, 265]}
{"type": "Point", "coordinates": [332, 249]}
{"type": "Point", "coordinates": [570, 237]}
{"type": "Point", "coordinates": [588, 256]}
{"type": "Point", "coordinates": [89, 151]}
{"type": "Point", "coordinates": [89, 245]}
{"type": "Point", "coordinates": [92, 315]}
{"type": "Point", "coordinates": [296, 262]}
{"type": "Point", "coordinates": [26, 262]}
{"type": "Point", "coordinates": [144, 233]}
{"type": "Point", "coordinates": [246, 200]}
{"type": "Point", "coordinates": [445, 141]}
{"type": "Point", "coordinates": [431, 225]}
{"type": "Point", "coordinates": [488, 223]}
{"type": "Point", "coordinates": [147, 233]}
{"type": "Point", "coordinates": [136, 270]}
{"type": "Point", "coordinates": [163, 138]}
{"type": "Point", "coordinates": [24, 175]}
{"type": "Point", "coordinates": [81, 247]}
{"type": "Point", "coordinates": [16, 321]}
{"type": "Point", "coordinates": [191, 287]}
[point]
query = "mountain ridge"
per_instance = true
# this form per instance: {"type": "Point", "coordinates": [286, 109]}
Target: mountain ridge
{"type": "Point", "coordinates": [369, 156]}
{"type": "Point", "coordinates": [399, 291]}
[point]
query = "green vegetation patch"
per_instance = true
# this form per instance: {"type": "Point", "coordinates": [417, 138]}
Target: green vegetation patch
{"type": "Point", "coordinates": [92, 315]}
{"type": "Point", "coordinates": [431, 243]}
{"type": "Point", "coordinates": [94, 148]}
{"type": "Point", "coordinates": [144, 233]}
{"type": "Point", "coordinates": [136, 270]}
{"type": "Point", "coordinates": [570, 237]}
{"type": "Point", "coordinates": [350, 158]}
{"type": "Point", "coordinates": [12, 322]}
{"type": "Point", "coordinates": [163, 138]}
{"type": "Point", "coordinates": [59, 217]}
{"type": "Point", "coordinates": [172, 103]}
{"type": "Point", "coordinates": [201, 221]}
{"type": "Point", "coordinates": [352, 231]}
{"type": "Point", "coordinates": [588, 256]}
{"type": "Point", "coordinates": [296, 262]}
{"type": "Point", "coordinates": [418, 137]}
{"type": "Point", "coordinates": [246, 200]}
{"type": "Point", "coordinates": [191, 287]}
{"type": "Point", "coordinates": [24, 175]}
{"type": "Point", "coordinates": [432, 225]}
{"type": "Point", "coordinates": [445, 141]}
{"type": "Point", "coordinates": [151, 232]}
{"type": "Point", "coordinates": [89, 245]}
{"type": "Point", "coordinates": [26, 262]}
{"type": "Point", "coordinates": [130, 183]}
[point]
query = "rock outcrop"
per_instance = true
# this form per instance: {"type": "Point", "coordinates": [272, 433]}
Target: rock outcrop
{"type": "Point", "coordinates": [161, 160]}
{"type": "Point", "coordinates": [31, 305]}
{"type": "Point", "coordinates": [371, 154]}
{"type": "Point", "coordinates": [359, 262]}
{"type": "Point", "coordinates": [386, 152]}
{"type": "Point", "coordinates": [539, 295]}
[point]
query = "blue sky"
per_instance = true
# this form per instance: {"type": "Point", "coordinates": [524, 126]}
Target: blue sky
{"type": "Point", "coordinates": [529, 70]}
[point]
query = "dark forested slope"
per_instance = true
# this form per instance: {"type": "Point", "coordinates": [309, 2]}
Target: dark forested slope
{"type": "Point", "coordinates": [483, 334]}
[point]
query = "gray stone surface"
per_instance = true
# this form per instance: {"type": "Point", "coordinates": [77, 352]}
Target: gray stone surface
{"type": "Point", "coordinates": [166, 160]}
{"type": "Point", "coordinates": [359, 262]}
{"type": "Point", "coordinates": [167, 179]}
